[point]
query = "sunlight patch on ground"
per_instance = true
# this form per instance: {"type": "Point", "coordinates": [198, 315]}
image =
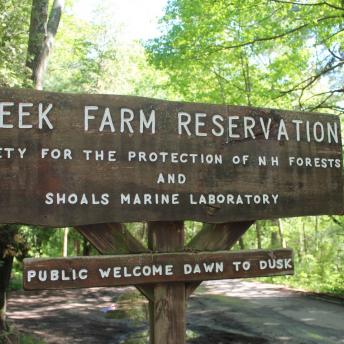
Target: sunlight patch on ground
{"type": "Point", "coordinates": [246, 290]}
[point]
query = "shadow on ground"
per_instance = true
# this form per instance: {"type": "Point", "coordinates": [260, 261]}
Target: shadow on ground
{"type": "Point", "coordinates": [219, 313]}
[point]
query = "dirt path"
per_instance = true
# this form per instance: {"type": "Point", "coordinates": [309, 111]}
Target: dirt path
{"type": "Point", "coordinates": [220, 312]}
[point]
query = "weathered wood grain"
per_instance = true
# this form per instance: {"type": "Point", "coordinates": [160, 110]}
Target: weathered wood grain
{"type": "Point", "coordinates": [157, 268]}
{"type": "Point", "coordinates": [216, 238]}
{"type": "Point", "coordinates": [167, 309]}
{"type": "Point", "coordinates": [111, 238]}
{"type": "Point", "coordinates": [27, 183]}
{"type": "Point", "coordinates": [114, 238]}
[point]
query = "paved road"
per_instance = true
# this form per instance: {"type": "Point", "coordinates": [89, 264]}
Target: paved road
{"type": "Point", "coordinates": [271, 312]}
{"type": "Point", "coordinates": [219, 312]}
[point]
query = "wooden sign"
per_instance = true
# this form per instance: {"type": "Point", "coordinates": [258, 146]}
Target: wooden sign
{"type": "Point", "coordinates": [107, 271]}
{"type": "Point", "coordinates": [85, 159]}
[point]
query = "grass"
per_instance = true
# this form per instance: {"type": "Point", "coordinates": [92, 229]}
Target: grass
{"type": "Point", "coordinates": [28, 339]}
{"type": "Point", "coordinates": [12, 336]}
{"type": "Point", "coordinates": [16, 282]}
{"type": "Point", "coordinates": [311, 283]}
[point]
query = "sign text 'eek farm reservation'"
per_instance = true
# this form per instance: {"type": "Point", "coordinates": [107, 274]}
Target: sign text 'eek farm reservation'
{"type": "Point", "coordinates": [84, 159]}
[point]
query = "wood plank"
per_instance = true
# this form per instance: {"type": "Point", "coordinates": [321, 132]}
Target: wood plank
{"type": "Point", "coordinates": [117, 153]}
{"type": "Point", "coordinates": [121, 270]}
{"type": "Point", "coordinates": [114, 238]}
{"type": "Point", "coordinates": [216, 238]}
{"type": "Point", "coordinates": [168, 308]}
{"type": "Point", "coordinates": [111, 238]}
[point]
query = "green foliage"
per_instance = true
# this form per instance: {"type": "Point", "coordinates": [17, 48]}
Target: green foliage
{"type": "Point", "coordinates": [12, 243]}
{"type": "Point", "coordinates": [13, 336]}
{"type": "Point", "coordinates": [27, 339]}
{"type": "Point", "coordinates": [191, 229]}
{"type": "Point", "coordinates": [42, 241]}
{"type": "Point", "coordinates": [97, 62]}
{"type": "Point", "coordinates": [14, 25]}
{"type": "Point", "coordinates": [48, 242]}
{"type": "Point", "coordinates": [262, 53]}
{"type": "Point", "coordinates": [16, 282]}
{"type": "Point", "coordinates": [318, 247]}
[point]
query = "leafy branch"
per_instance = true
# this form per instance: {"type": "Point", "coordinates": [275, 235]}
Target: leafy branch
{"type": "Point", "coordinates": [303, 85]}
{"type": "Point", "coordinates": [275, 37]}
{"type": "Point", "coordinates": [323, 3]}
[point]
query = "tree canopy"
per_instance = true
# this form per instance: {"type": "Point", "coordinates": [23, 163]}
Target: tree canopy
{"type": "Point", "coordinates": [265, 53]}
{"type": "Point", "coordinates": [14, 26]}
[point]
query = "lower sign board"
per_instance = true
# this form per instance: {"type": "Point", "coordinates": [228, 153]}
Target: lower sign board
{"type": "Point", "coordinates": [107, 271]}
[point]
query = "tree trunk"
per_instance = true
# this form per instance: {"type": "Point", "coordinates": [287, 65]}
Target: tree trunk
{"type": "Point", "coordinates": [65, 242]}
{"type": "Point", "coordinates": [274, 239]}
{"type": "Point", "coordinates": [258, 234]}
{"type": "Point", "coordinates": [304, 238]}
{"type": "Point", "coordinates": [5, 274]}
{"type": "Point", "coordinates": [281, 233]}
{"type": "Point", "coordinates": [41, 49]}
{"type": "Point", "coordinates": [38, 28]}
{"type": "Point", "coordinates": [241, 243]}
{"type": "Point", "coordinates": [316, 227]}
{"type": "Point", "coordinates": [86, 250]}
{"type": "Point", "coordinates": [301, 242]}
{"type": "Point", "coordinates": [77, 247]}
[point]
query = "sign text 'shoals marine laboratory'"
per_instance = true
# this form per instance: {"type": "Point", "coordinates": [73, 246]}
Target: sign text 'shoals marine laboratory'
{"type": "Point", "coordinates": [86, 159]}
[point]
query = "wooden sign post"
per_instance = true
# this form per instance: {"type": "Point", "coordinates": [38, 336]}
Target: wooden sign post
{"type": "Point", "coordinates": [96, 161]}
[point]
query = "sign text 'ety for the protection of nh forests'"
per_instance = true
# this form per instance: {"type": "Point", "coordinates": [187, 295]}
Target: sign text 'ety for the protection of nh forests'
{"type": "Point", "coordinates": [80, 159]}
{"type": "Point", "coordinates": [107, 271]}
